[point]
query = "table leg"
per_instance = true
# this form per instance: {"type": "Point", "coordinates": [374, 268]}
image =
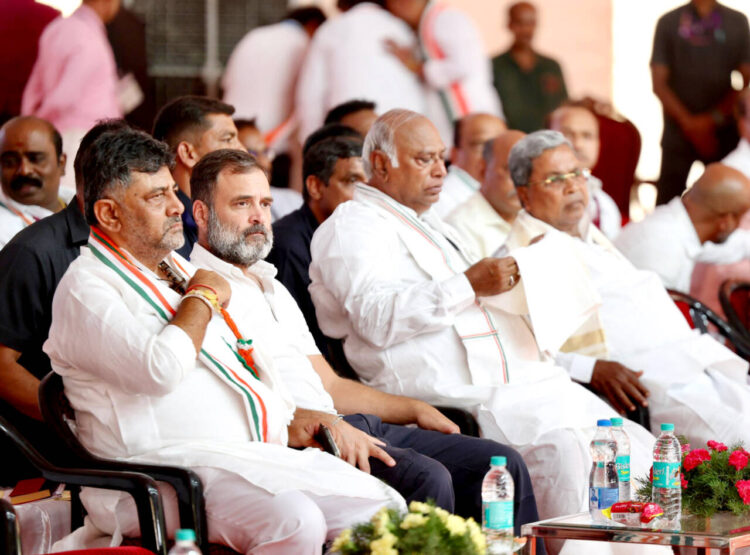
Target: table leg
{"type": "Point", "coordinates": [532, 545]}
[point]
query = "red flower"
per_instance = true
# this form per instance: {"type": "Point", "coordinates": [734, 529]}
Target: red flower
{"type": "Point", "coordinates": [683, 481]}
{"type": "Point", "coordinates": [743, 488]}
{"type": "Point", "coordinates": [716, 446]}
{"type": "Point", "coordinates": [651, 474]}
{"type": "Point", "coordinates": [695, 458]}
{"type": "Point", "coordinates": [738, 459]}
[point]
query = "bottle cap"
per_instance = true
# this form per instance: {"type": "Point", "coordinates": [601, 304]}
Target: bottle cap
{"type": "Point", "coordinates": [498, 461]}
{"type": "Point", "coordinates": [666, 427]}
{"type": "Point", "coordinates": [184, 534]}
{"type": "Point", "coordinates": [603, 422]}
{"type": "Point", "coordinates": [616, 421]}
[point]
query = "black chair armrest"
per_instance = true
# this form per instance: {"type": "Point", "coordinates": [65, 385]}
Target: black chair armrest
{"type": "Point", "coordinates": [186, 483]}
{"type": "Point", "coordinates": [463, 419]}
{"type": "Point", "coordinates": [142, 487]}
{"type": "Point", "coordinates": [10, 537]}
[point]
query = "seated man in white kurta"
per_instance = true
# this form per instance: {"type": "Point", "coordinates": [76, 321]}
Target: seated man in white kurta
{"type": "Point", "coordinates": [392, 280]}
{"type": "Point", "coordinates": [156, 371]}
{"type": "Point", "coordinates": [693, 381]}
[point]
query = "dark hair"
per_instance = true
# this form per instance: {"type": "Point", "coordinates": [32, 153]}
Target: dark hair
{"type": "Point", "coordinates": [103, 126]}
{"type": "Point", "coordinates": [56, 140]}
{"type": "Point", "coordinates": [337, 113]}
{"type": "Point", "coordinates": [344, 5]}
{"type": "Point", "coordinates": [320, 160]}
{"type": "Point", "coordinates": [185, 114]}
{"type": "Point", "coordinates": [206, 171]}
{"type": "Point", "coordinates": [241, 124]}
{"type": "Point", "coordinates": [327, 131]}
{"type": "Point", "coordinates": [111, 160]}
{"type": "Point", "coordinates": [308, 14]}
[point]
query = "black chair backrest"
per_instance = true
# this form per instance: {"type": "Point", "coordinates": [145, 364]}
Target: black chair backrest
{"type": "Point", "coordinates": [702, 317]}
{"type": "Point", "coordinates": [734, 296]}
{"type": "Point", "coordinates": [10, 536]}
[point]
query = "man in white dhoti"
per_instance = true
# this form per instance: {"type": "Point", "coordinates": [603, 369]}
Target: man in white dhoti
{"type": "Point", "coordinates": [699, 226]}
{"type": "Point", "coordinates": [451, 62]}
{"type": "Point", "coordinates": [158, 371]}
{"type": "Point", "coordinates": [348, 60]}
{"type": "Point", "coordinates": [485, 218]}
{"type": "Point", "coordinates": [419, 318]}
{"type": "Point", "coordinates": [470, 134]}
{"type": "Point", "coordinates": [231, 207]}
{"type": "Point", "coordinates": [693, 381]}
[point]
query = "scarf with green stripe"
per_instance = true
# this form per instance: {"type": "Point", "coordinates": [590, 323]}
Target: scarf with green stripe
{"type": "Point", "coordinates": [268, 406]}
{"type": "Point", "coordinates": [436, 249]}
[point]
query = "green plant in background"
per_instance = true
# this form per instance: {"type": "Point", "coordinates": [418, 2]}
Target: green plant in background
{"type": "Point", "coordinates": [425, 529]}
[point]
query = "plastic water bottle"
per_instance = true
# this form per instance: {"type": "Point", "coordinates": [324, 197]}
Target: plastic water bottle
{"type": "Point", "coordinates": [497, 506]}
{"type": "Point", "coordinates": [623, 458]}
{"type": "Point", "coordinates": [184, 543]}
{"type": "Point", "coordinates": [667, 490]}
{"type": "Point", "coordinates": [603, 485]}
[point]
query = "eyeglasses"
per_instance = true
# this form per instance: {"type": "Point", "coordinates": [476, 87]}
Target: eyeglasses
{"type": "Point", "coordinates": [558, 181]}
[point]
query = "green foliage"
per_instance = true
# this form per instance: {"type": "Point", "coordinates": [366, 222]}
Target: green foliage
{"type": "Point", "coordinates": [711, 485]}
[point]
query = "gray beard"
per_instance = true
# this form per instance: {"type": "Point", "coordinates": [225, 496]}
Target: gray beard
{"type": "Point", "coordinates": [231, 244]}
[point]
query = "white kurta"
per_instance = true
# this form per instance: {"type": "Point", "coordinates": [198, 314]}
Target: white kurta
{"type": "Point", "coordinates": [666, 242]}
{"type": "Point", "coordinates": [140, 394]}
{"type": "Point", "coordinates": [391, 284]}
{"type": "Point", "coordinates": [603, 209]}
{"type": "Point", "coordinates": [457, 71]}
{"type": "Point", "coordinates": [695, 383]}
{"type": "Point", "coordinates": [482, 229]}
{"type": "Point", "coordinates": [15, 216]}
{"type": "Point", "coordinates": [347, 60]}
{"type": "Point", "coordinates": [458, 186]}
{"type": "Point", "coordinates": [262, 72]}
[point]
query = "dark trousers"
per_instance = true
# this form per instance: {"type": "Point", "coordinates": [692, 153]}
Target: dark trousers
{"type": "Point", "coordinates": [447, 468]}
{"type": "Point", "coordinates": [678, 155]}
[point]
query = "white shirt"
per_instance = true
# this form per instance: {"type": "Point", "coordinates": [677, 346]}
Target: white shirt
{"type": "Point", "coordinates": [483, 230]}
{"type": "Point", "coordinates": [347, 60]}
{"type": "Point", "coordinates": [262, 71]}
{"type": "Point", "coordinates": [457, 71]}
{"type": "Point", "coordinates": [272, 317]}
{"type": "Point", "coordinates": [15, 216]}
{"type": "Point", "coordinates": [603, 209]}
{"type": "Point", "coordinates": [666, 242]}
{"type": "Point", "coordinates": [458, 186]}
{"type": "Point", "coordinates": [739, 158]}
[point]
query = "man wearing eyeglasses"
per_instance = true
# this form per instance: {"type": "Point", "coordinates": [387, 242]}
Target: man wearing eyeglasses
{"type": "Point", "coordinates": [689, 379]}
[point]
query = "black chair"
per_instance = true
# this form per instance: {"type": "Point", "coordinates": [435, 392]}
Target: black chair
{"type": "Point", "coordinates": [337, 359]}
{"type": "Point", "coordinates": [58, 414]}
{"type": "Point", "coordinates": [142, 487]}
{"type": "Point", "coordinates": [734, 296]}
{"type": "Point", "coordinates": [701, 318]}
{"type": "Point", "coordinates": [10, 537]}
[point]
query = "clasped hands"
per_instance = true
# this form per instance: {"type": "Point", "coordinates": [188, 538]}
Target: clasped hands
{"type": "Point", "coordinates": [492, 276]}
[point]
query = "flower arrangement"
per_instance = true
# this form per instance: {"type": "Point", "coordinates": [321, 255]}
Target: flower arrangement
{"type": "Point", "coordinates": [713, 479]}
{"type": "Point", "coordinates": [424, 529]}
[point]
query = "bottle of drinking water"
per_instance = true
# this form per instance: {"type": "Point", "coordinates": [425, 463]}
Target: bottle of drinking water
{"type": "Point", "coordinates": [184, 543]}
{"type": "Point", "coordinates": [603, 485]}
{"type": "Point", "coordinates": [667, 490]}
{"type": "Point", "coordinates": [497, 506]}
{"type": "Point", "coordinates": [623, 458]}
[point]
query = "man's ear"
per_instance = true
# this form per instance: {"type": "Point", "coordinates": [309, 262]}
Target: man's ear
{"type": "Point", "coordinates": [61, 163]}
{"type": "Point", "coordinates": [200, 214]}
{"type": "Point", "coordinates": [108, 215]}
{"type": "Point", "coordinates": [186, 154]}
{"type": "Point", "coordinates": [482, 167]}
{"type": "Point", "coordinates": [379, 163]}
{"type": "Point", "coordinates": [314, 187]}
{"type": "Point", "coordinates": [523, 195]}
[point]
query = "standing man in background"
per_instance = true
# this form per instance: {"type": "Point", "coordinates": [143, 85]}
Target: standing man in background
{"type": "Point", "coordinates": [74, 81]}
{"type": "Point", "coordinates": [529, 84]}
{"type": "Point", "coordinates": [696, 49]}
{"type": "Point", "coordinates": [452, 62]}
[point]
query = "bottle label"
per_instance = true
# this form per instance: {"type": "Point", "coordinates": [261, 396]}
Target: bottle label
{"type": "Point", "coordinates": [666, 474]}
{"type": "Point", "coordinates": [623, 468]}
{"type": "Point", "coordinates": [498, 515]}
{"type": "Point", "coordinates": [603, 498]}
